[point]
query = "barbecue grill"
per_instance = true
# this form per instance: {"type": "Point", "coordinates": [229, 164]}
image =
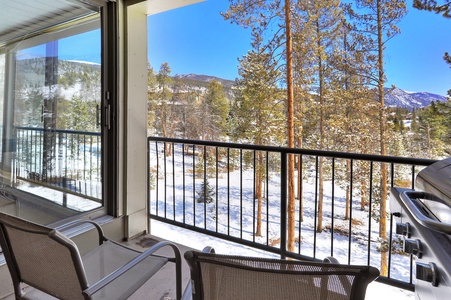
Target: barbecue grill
{"type": "Point", "coordinates": [423, 217]}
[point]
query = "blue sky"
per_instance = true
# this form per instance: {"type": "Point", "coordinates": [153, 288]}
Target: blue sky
{"type": "Point", "coordinates": [196, 39]}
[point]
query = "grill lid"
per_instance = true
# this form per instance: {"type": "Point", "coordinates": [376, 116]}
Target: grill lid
{"type": "Point", "coordinates": [436, 179]}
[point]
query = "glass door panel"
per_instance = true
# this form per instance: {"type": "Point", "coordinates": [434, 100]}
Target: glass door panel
{"type": "Point", "coordinates": [51, 133]}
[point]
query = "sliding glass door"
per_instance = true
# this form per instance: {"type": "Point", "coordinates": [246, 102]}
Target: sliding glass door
{"type": "Point", "coordinates": [51, 118]}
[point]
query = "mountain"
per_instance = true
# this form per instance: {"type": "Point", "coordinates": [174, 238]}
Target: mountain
{"type": "Point", "coordinates": [205, 78]}
{"type": "Point", "coordinates": [395, 97]}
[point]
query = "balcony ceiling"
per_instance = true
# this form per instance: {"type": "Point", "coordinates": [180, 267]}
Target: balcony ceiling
{"type": "Point", "coordinates": [19, 18]}
{"type": "Point", "coordinates": [151, 7]}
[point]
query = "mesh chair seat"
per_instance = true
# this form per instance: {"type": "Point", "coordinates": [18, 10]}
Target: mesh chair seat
{"type": "Point", "coordinates": [105, 259]}
{"type": "Point", "coordinates": [224, 277]}
{"type": "Point", "coordinates": [47, 260]}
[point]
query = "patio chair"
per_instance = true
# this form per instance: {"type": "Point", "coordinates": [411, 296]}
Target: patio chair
{"type": "Point", "coordinates": [224, 277]}
{"type": "Point", "coordinates": [50, 262]}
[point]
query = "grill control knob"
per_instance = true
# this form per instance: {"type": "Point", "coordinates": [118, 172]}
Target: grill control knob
{"type": "Point", "coordinates": [413, 247]}
{"type": "Point", "coordinates": [403, 228]}
{"type": "Point", "coordinates": [427, 272]}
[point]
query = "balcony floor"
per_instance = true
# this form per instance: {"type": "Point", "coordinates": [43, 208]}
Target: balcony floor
{"type": "Point", "coordinates": [162, 285]}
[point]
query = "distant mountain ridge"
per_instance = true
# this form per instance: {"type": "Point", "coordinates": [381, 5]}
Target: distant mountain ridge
{"type": "Point", "coordinates": [396, 97]}
{"type": "Point", "coordinates": [205, 78]}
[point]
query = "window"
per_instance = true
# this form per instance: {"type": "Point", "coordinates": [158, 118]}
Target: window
{"type": "Point", "coordinates": [51, 118]}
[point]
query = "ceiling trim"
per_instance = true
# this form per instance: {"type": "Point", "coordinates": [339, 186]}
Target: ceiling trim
{"type": "Point", "coordinates": [152, 7]}
{"type": "Point", "coordinates": [22, 18]}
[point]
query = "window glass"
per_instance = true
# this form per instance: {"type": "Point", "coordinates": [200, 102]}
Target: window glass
{"type": "Point", "coordinates": [50, 93]}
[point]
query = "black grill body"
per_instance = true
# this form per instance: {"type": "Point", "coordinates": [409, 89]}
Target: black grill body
{"type": "Point", "coordinates": [423, 218]}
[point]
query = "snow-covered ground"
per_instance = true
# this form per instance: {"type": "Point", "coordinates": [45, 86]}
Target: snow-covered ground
{"type": "Point", "coordinates": [237, 211]}
{"type": "Point", "coordinates": [375, 291]}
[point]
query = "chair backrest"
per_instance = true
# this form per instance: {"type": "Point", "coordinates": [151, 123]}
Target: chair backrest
{"type": "Point", "coordinates": [42, 258]}
{"type": "Point", "coordinates": [222, 277]}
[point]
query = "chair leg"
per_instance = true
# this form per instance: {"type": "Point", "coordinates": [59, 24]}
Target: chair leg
{"type": "Point", "coordinates": [178, 271]}
{"type": "Point", "coordinates": [178, 280]}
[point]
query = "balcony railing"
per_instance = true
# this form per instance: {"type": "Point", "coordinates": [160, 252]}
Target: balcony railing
{"type": "Point", "coordinates": [213, 188]}
{"type": "Point", "coordinates": [64, 160]}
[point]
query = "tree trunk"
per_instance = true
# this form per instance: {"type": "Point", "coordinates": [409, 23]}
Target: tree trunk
{"type": "Point", "coordinates": [290, 128]}
{"type": "Point", "coordinates": [319, 226]}
{"type": "Point", "coordinates": [363, 191]}
{"type": "Point", "coordinates": [383, 117]}
{"type": "Point", "coordinates": [300, 196]}
{"type": "Point", "coordinates": [258, 192]}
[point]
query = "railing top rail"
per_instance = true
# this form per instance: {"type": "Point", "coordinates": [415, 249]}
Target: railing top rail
{"type": "Point", "coordinates": [59, 130]}
{"type": "Point", "coordinates": [286, 150]}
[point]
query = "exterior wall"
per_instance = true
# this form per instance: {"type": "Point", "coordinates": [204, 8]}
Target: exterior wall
{"type": "Point", "coordinates": [135, 117]}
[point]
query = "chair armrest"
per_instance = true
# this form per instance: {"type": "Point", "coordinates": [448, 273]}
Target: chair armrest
{"type": "Point", "coordinates": [117, 273]}
{"type": "Point", "coordinates": [76, 223]}
{"type": "Point", "coordinates": [331, 259]}
{"type": "Point", "coordinates": [208, 249]}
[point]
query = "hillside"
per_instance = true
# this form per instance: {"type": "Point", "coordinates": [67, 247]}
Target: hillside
{"type": "Point", "coordinates": [398, 98]}
{"type": "Point", "coordinates": [69, 70]}
{"type": "Point", "coordinates": [395, 97]}
{"type": "Point", "coordinates": [199, 79]}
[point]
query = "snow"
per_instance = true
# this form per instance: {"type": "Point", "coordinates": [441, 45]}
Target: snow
{"type": "Point", "coordinates": [375, 291]}
{"type": "Point", "coordinates": [240, 214]}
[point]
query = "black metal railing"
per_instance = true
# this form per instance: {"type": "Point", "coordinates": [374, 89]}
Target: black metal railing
{"type": "Point", "coordinates": [65, 160]}
{"type": "Point", "coordinates": [239, 193]}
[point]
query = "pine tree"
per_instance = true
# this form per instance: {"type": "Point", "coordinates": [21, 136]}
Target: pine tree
{"type": "Point", "coordinates": [258, 111]}
{"type": "Point", "coordinates": [378, 19]}
{"type": "Point", "coordinates": [151, 98]}
{"type": "Point", "coordinates": [261, 16]}
{"type": "Point", "coordinates": [165, 113]}
{"type": "Point", "coordinates": [205, 194]}
{"type": "Point", "coordinates": [444, 9]}
{"type": "Point", "coordinates": [325, 16]}
{"type": "Point", "coordinates": [216, 110]}
{"type": "Point", "coordinates": [431, 5]}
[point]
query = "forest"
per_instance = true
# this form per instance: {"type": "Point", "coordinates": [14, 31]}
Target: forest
{"type": "Point", "coordinates": [211, 110]}
{"type": "Point", "coordinates": [314, 79]}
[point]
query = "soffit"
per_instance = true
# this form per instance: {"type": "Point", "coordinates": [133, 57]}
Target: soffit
{"type": "Point", "coordinates": [19, 18]}
{"type": "Point", "coordinates": [151, 7]}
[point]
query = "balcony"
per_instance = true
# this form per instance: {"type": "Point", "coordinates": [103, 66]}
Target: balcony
{"type": "Point", "coordinates": [211, 189]}
{"type": "Point", "coordinates": [205, 193]}
{"type": "Point", "coordinates": [229, 196]}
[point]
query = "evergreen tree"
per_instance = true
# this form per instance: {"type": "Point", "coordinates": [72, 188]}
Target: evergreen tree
{"type": "Point", "coordinates": [263, 17]}
{"type": "Point", "coordinates": [444, 9]}
{"type": "Point", "coordinates": [258, 111]}
{"type": "Point", "coordinates": [433, 135]}
{"type": "Point", "coordinates": [152, 85]}
{"type": "Point", "coordinates": [205, 194]}
{"type": "Point", "coordinates": [431, 5]}
{"type": "Point", "coordinates": [216, 109]}
{"type": "Point", "coordinates": [326, 19]}
{"type": "Point", "coordinates": [378, 19]}
{"type": "Point", "coordinates": [165, 114]}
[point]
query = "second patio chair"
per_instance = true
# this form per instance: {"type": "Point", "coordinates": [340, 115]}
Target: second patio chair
{"type": "Point", "coordinates": [227, 277]}
{"type": "Point", "coordinates": [48, 261]}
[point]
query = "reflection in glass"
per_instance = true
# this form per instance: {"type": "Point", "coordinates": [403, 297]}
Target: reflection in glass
{"type": "Point", "coordinates": [50, 93]}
